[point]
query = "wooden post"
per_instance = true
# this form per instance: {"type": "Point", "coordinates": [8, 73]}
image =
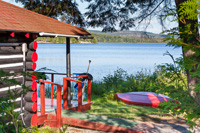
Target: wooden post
{"type": "Point", "coordinates": [79, 97]}
{"type": "Point", "coordinates": [42, 98]}
{"type": "Point", "coordinates": [65, 93]}
{"type": "Point", "coordinates": [89, 92]}
{"type": "Point", "coordinates": [68, 72]}
{"type": "Point", "coordinates": [52, 80]}
{"type": "Point", "coordinates": [58, 113]}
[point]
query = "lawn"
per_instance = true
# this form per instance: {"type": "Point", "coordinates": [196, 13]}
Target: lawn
{"type": "Point", "coordinates": [114, 108]}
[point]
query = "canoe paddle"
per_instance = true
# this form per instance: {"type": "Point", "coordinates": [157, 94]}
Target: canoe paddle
{"type": "Point", "coordinates": [83, 90]}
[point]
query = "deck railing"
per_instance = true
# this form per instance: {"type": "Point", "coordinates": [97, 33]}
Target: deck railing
{"type": "Point", "coordinates": [65, 88]}
{"type": "Point", "coordinates": [80, 107]}
{"type": "Point", "coordinates": [59, 98]}
{"type": "Point", "coordinates": [52, 86]}
{"type": "Point", "coordinates": [79, 91]}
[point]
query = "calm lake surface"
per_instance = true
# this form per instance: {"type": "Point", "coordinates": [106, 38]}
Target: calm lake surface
{"type": "Point", "coordinates": [105, 57]}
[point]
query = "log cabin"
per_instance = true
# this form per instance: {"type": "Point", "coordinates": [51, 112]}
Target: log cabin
{"type": "Point", "coordinates": [18, 30]}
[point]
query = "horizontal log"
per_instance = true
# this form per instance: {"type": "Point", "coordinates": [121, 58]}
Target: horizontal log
{"type": "Point", "coordinates": [25, 113]}
{"type": "Point", "coordinates": [31, 56]}
{"type": "Point", "coordinates": [15, 60]}
{"type": "Point", "coordinates": [10, 82]}
{"type": "Point", "coordinates": [3, 89]}
{"type": "Point", "coordinates": [31, 76]}
{"type": "Point", "coordinates": [13, 70]}
{"type": "Point", "coordinates": [13, 56]}
{"type": "Point", "coordinates": [30, 106]}
{"type": "Point", "coordinates": [10, 50]}
{"type": "Point", "coordinates": [32, 85]}
{"type": "Point", "coordinates": [18, 103]}
{"type": "Point", "coordinates": [31, 119]}
{"type": "Point", "coordinates": [30, 66]}
{"type": "Point", "coordinates": [33, 45]}
{"type": "Point", "coordinates": [10, 44]}
{"type": "Point", "coordinates": [13, 91]}
{"type": "Point", "coordinates": [31, 97]}
{"type": "Point", "coordinates": [11, 65]}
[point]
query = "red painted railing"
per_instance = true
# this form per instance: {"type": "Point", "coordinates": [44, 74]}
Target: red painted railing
{"type": "Point", "coordinates": [52, 80]}
{"type": "Point", "coordinates": [65, 89]}
{"type": "Point", "coordinates": [79, 91]}
{"type": "Point", "coordinates": [59, 98]}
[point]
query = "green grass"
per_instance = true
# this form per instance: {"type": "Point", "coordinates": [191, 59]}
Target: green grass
{"type": "Point", "coordinates": [102, 106]}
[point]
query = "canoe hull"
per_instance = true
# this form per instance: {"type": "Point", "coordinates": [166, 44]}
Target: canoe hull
{"type": "Point", "coordinates": [142, 98]}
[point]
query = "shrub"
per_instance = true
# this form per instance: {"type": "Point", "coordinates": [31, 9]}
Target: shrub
{"type": "Point", "coordinates": [143, 80]}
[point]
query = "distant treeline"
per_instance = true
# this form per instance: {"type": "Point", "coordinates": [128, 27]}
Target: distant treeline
{"type": "Point", "coordinates": [102, 38]}
{"type": "Point", "coordinates": [123, 39]}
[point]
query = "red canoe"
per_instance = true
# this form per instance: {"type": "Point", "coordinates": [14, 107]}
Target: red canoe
{"type": "Point", "coordinates": [142, 98]}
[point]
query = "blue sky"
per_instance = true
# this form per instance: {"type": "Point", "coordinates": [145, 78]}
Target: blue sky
{"type": "Point", "coordinates": [154, 26]}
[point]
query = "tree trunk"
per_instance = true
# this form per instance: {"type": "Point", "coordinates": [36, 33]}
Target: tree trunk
{"type": "Point", "coordinates": [189, 53]}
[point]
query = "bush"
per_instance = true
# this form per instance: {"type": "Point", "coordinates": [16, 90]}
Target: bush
{"type": "Point", "coordinates": [143, 80]}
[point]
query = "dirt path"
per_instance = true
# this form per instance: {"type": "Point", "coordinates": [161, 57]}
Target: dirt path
{"type": "Point", "coordinates": [150, 124]}
{"type": "Point", "coordinates": [172, 128]}
{"type": "Point", "coordinates": [148, 127]}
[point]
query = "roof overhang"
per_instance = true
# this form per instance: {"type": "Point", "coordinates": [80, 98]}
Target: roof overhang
{"type": "Point", "coordinates": [57, 35]}
{"type": "Point", "coordinates": [63, 35]}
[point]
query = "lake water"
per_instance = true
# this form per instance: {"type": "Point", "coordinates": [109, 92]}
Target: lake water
{"type": "Point", "coordinates": [105, 57]}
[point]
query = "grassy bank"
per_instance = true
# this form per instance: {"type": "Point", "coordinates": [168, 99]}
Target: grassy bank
{"type": "Point", "coordinates": [114, 108]}
{"type": "Point", "coordinates": [159, 81]}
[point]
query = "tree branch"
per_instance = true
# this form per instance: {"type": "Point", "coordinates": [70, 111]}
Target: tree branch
{"type": "Point", "coordinates": [151, 11]}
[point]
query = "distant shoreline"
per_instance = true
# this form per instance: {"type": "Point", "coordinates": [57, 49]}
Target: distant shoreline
{"type": "Point", "coordinates": [102, 42]}
{"type": "Point", "coordinates": [106, 38]}
{"type": "Point", "coordinates": [70, 42]}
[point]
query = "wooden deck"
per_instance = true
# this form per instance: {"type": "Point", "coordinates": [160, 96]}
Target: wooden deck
{"type": "Point", "coordinates": [50, 106]}
{"type": "Point", "coordinates": [85, 120]}
{"type": "Point", "coordinates": [56, 112]}
{"type": "Point", "coordinates": [96, 122]}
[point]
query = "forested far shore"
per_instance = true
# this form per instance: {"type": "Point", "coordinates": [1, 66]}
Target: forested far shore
{"type": "Point", "coordinates": [103, 38]}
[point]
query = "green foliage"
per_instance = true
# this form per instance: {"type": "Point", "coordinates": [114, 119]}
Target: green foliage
{"type": "Point", "coordinates": [189, 9]}
{"type": "Point", "coordinates": [143, 80]}
{"type": "Point", "coordinates": [46, 129]}
{"type": "Point", "coordinates": [124, 14]}
{"type": "Point", "coordinates": [183, 102]}
{"type": "Point", "coordinates": [8, 104]}
{"type": "Point", "coordinates": [187, 37]}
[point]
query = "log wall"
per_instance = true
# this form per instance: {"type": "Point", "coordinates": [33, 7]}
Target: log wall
{"type": "Point", "coordinates": [11, 61]}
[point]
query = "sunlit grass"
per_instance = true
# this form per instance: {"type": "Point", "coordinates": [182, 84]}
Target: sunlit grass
{"type": "Point", "coordinates": [114, 108]}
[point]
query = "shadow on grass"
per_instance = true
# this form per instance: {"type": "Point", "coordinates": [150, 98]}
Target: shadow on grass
{"type": "Point", "coordinates": [98, 121]}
